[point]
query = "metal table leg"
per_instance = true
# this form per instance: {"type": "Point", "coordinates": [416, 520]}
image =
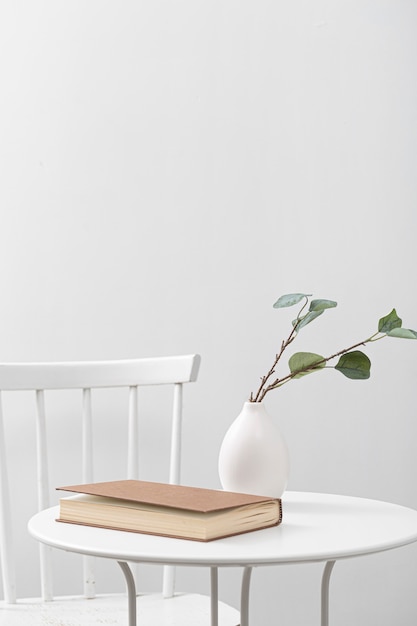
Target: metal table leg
{"type": "Point", "coordinates": [244, 600]}
{"type": "Point", "coordinates": [214, 596]}
{"type": "Point", "coordinates": [325, 593]}
{"type": "Point", "coordinates": [244, 597]}
{"type": "Point", "coordinates": [131, 592]}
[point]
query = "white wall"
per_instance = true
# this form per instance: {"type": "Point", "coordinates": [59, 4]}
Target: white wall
{"type": "Point", "coordinates": [168, 169]}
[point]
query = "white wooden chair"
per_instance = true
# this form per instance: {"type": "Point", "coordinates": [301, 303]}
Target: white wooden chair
{"type": "Point", "coordinates": [40, 385]}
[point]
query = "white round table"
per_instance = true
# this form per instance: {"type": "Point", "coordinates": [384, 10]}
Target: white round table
{"type": "Point", "coordinates": [316, 527]}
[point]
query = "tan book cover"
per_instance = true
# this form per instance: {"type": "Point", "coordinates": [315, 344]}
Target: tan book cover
{"type": "Point", "coordinates": [172, 510]}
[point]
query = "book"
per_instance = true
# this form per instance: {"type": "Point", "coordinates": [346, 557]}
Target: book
{"type": "Point", "coordinates": [177, 511]}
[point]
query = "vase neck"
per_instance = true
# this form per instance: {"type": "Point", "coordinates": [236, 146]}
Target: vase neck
{"type": "Point", "coordinates": [254, 407]}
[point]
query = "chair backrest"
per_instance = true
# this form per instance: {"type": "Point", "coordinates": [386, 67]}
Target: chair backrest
{"type": "Point", "coordinates": [42, 379]}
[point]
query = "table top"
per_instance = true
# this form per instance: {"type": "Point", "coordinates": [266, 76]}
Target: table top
{"type": "Point", "coordinates": [315, 527]}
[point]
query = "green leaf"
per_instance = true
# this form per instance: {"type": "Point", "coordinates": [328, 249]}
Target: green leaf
{"type": "Point", "coordinates": [290, 299]}
{"type": "Point", "coordinates": [300, 322]}
{"type": "Point", "coordinates": [305, 361]}
{"type": "Point", "coordinates": [321, 305]}
{"type": "Point", "coordinates": [404, 333]}
{"type": "Point", "coordinates": [355, 365]}
{"type": "Point", "coordinates": [389, 322]}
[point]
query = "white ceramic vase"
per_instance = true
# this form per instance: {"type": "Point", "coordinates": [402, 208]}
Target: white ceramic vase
{"type": "Point", "coordinates": [254, 456]}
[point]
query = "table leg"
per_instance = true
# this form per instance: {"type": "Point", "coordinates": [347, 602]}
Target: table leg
{"type": "Point", "coordinates": [325, 593]}
{"type": "Point", "coordinates": [244, 597]}
{"type": "Point", "coordinates": [131, 592]}
{"type": "Point", "coordinates": [214, 596]}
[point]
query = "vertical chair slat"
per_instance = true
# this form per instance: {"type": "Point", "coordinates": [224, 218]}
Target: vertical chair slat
{"type": "Point", "coordinates": [133, 435]}
{"type": "Point", "coordinates": [88, 477]}
{"type": "Point", "coordinates": [175, 457]}
{"type": "Point", "coordinates": [6, 546]}
{"type": "Point", "coordinates": [43, 491]}
{"type": "Point", "coordinates": [87, 437]}
{"type": "Point", "coordinates": [133, 448]}
{"type": "Point", "coordinates": [174, 475]}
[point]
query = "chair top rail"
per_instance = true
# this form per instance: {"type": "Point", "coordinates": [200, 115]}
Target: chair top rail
{"type": "Point", "coordinates": [91, 374]}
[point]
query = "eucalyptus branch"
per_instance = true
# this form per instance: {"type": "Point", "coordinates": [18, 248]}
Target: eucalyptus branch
{"type": "Point", "coordinates": [353, 363]}
{"type": "Point", "coordinates": [310, 368]}
{"type": "Point", "coordinates": [260, 393]}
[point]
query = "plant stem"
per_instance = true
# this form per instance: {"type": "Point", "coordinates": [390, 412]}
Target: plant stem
{"type": "Point", "coordinates": [281, 381]}
{"type": "Point", "coordinates": [261, 392]}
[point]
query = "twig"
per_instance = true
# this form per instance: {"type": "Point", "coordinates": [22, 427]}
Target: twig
{"type": "Point", "coordinates": [261, 392]}
{"type": "Point", "coordinates": [281, 381]}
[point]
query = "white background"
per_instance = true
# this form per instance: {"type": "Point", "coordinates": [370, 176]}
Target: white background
{"type": "Point", "coordinates": [168, 169]}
